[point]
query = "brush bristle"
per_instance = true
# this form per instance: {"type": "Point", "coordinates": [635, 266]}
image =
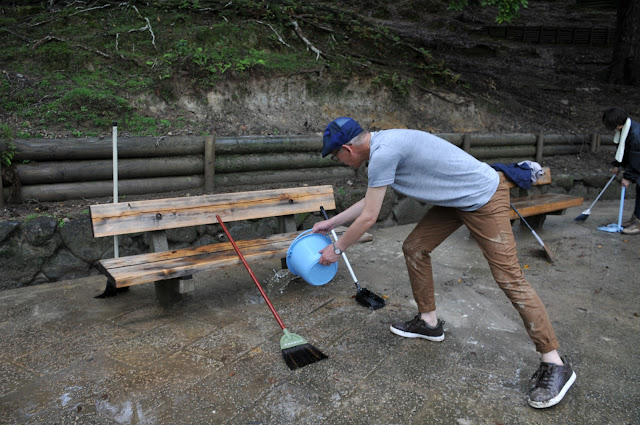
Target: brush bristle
{"type": "Point", "coordinates": [549, 254]}
{"type": "Point", "coordinates": [369, 299]}
{"type": "Point", "coordinates": [302, 355]}
{"type": "Point", "coordinates": [581, 217]}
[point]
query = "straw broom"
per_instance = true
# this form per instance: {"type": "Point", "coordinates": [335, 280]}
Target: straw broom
{"type": "Point", "coordinates": [296, 351]}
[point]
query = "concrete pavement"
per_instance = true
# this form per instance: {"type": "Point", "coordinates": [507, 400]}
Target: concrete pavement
{"type": "Point", "coordinates": [215, 357]}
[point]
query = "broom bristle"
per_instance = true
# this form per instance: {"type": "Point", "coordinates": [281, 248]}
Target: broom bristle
{"type": "Point", "coordinates": [302, 355]}
{"type": "Point", "coordinates": [369, 299]}
{"type": "Point", "coordinates": [549, 254]}
{"type": "Point", "coordinates": [581, 217]}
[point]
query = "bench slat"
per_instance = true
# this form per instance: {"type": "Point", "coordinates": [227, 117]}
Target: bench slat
{"type": "Point", "coordinates": [543, 203]}
{"type": "Point", "coordinates": [143, 268]}
{"type": "Point", "coordinates": [161, 214]}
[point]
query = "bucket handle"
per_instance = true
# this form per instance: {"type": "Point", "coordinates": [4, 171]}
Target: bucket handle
{"type": "Point", "coordinates": [300, 235]}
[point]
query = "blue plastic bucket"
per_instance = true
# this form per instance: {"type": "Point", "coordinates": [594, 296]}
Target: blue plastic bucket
{"type": "Point", "coordinates": [303, 256]}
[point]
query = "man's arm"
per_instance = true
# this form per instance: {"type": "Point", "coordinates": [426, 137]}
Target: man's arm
{"type": "Point", "coordinates": [365, 212]}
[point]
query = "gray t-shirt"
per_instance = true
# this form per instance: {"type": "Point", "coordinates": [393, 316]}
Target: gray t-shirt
{"type": "Point", "coordinates": [430, 169]}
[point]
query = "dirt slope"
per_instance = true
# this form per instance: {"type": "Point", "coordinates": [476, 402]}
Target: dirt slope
{"type": "Point", "coordinates": [527, 86]}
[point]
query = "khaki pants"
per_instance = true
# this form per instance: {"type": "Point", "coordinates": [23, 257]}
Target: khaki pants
{"type": "Point", "coordinates": [491, 228]}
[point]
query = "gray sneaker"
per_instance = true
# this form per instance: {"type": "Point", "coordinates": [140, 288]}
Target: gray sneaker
{"type": "Point", "coordinates": [418, 328]}
{"type": "Point", "coordinates": [633, 229]}
{"type": "Point", "coordinates": [550, 383]}
{"type": "Point", "coordinates": [633, 220]}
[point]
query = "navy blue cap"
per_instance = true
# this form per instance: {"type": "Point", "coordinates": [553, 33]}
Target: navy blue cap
{"type": "Point", "coordinates": [338, 132]}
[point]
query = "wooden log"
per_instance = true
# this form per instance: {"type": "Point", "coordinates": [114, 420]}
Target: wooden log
{"type": "Point", "coordinates": [508, 160]}
{"type": "Point", "coordinates": [565, 139]}
{"type": "Point", "coordinates": [100, 189]}
{"type": "Point", "coordinates": [91, 170]}
{"type": "Point", "coordinates": [454, 138]}
{"type": "Point", "coordinates": [95, 148]}
{"type": "Point", "coordinates": [562, 150]}
{"type": "Point", "coordinates": [145, 147]}
{"type": "Point", "coordinates": [607, 139]}
{"type": "Point", "coordinates": [517, 139]}
{"type": "Point", "coordinates": [308, 175]}
{"type": "Point", "coordinates": [269, 161]}
{"type": "Point", "coordinates": [268, 144]}
{"type": "Point", "coordinates": [503, 151]}
{"type": "Point", "coordinates": [608, 149]}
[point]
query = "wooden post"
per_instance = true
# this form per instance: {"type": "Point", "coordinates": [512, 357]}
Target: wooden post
{"type": "Point", "coordinates": [466, 143]}
{"type": "Point", "coordinates": [1, 190]}
{"type": "Point", "coordinates": [209, 163]}
{"type": "Point", "coordinates": [539, 147]}
{"type": "Point", "coordinates": [594, 143]}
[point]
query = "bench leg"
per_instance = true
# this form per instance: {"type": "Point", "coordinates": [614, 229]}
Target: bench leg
{"type": "Point", "coordinates": [535, 221]}
{"type": "Point", "coordinates": [286, 224]}
{"type": "Point", "coordinates": [168, 292]}
{"type": "Point", "coordinates": [171, 290]}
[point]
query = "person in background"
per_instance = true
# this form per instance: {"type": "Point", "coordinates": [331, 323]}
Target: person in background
{"type": "Point", "coordinates": [462, 190]}
{"type": "Point", "coordinates": [627, 159]}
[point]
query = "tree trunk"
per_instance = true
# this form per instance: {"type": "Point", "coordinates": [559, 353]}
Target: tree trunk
{"type": "Point", "coordinates": [625, 64]}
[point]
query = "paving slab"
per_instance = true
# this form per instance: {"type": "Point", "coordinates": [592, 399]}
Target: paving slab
{"type": "Point", "coordinates": [215, 358]}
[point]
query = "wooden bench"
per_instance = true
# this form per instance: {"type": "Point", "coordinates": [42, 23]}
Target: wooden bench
{"type": "Point", "coordinates": [167, 267]}
{"type": "Point", "coordinates": [539, 205]}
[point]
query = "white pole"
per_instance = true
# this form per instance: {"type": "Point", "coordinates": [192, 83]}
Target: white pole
{"type": "Point", "coordinates": [116, 249]}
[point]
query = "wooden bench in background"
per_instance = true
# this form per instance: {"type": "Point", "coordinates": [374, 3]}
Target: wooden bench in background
{"type": "Point", "coordinates": [167, 267]}
{"type": "Point", "coordinates": [539, 205]}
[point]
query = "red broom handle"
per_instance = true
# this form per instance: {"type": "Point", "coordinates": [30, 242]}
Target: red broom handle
{"type": "Point", "coordinates": [264, 295]}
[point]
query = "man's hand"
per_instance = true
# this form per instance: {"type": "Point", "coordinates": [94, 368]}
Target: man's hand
{"type": "Point", "coordinates": [328, 256]}
{"type": "Point", "coordinates": [625, 183]}
{"type": "Point", "coordinates": [322, 227]}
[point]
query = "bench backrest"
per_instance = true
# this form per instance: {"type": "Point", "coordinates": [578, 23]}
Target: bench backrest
{"type": "Point", "coordinates": [161, 214]}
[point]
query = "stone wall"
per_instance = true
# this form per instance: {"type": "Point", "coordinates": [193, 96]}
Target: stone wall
{"type": "Point", "coordinates": [47, 249]}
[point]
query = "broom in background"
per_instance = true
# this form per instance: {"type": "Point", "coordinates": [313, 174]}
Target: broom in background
{"type": "Point", "coordinates": [585, 214]}
{"type": "Point", "coordinates": [296, 351]}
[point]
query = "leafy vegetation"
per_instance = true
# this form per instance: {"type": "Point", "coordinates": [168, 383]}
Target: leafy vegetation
{"type": "Point", "coordinates": [506, 9]}
{"type": "Point", "coordinates": [79, 66]}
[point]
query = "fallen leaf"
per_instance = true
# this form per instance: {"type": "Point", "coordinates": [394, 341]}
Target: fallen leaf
{"type": "Point", "coordinates": [385, 296]}
{"type": "Point", "coordinates": [526, 267]}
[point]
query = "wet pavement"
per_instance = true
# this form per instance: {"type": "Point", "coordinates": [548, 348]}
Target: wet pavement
{"type": "Point", "coordinates": [215, 357]}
